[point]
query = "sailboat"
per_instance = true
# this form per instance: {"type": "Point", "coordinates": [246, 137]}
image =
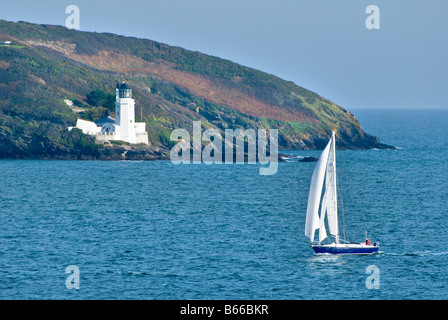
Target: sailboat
{"type": "Point", "coordinates": [325, 171]}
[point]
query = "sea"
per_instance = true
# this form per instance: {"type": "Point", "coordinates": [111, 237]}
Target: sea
{"type": "Point", "coordinates": [153, 230]}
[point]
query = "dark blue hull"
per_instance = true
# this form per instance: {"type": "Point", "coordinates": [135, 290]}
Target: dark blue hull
{"type": "Point", "coordinates": [345, 249]}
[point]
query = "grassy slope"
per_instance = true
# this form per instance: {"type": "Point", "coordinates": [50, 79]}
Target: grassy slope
{"type": "Point", "coordinates": [172, 87]}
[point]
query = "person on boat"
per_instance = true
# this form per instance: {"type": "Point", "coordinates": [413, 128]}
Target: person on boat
{"type": "Point", "coordinates": [367, 242]}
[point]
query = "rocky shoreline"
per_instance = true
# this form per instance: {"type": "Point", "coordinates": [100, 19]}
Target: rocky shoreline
{"type": "Point", "coordinates": [106, 153]}
{"type": "Point", "coordinates": [117, 153]}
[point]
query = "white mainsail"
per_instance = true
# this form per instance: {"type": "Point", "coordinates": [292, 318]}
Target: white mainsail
{"type": "Point", "coordinates": [323, 209]}
{"type": "Point", "coordinates": [332, 199]}
{"type": "Point", "coordinates": [325, 170]}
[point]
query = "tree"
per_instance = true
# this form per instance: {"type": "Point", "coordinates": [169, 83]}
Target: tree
{"type": "Point", "coordinates": [98, 98]}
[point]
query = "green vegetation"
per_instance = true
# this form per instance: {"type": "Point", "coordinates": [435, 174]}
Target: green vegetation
{"type": "Point", "coordinates": [12, 46]}
{"type": "Point", "coordinates": [100, 98]}
{"type": "Point", "coordinates": [119, 142]}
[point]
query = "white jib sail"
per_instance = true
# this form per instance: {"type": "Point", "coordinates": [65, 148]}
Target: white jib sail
{"type": "Point", "coordinates": [317, 181]}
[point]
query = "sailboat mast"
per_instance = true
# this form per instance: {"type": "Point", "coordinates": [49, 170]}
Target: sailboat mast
{"type": "Point", "coordinates": [335, 194]}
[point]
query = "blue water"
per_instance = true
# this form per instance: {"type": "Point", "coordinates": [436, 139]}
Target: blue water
{"type": "Point", "coordinates": [154, 230]}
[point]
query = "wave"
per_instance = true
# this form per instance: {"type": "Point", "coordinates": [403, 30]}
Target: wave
{"type": "Point", "coordinates": [416, 254]}
{"type": "Point", "coordinates": [292, 159]}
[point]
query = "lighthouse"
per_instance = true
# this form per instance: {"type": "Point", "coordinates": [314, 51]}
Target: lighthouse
{"type": "Point", "coordinates": [123, 127]}
{"type": "Point", "coordinates": [125, 113]}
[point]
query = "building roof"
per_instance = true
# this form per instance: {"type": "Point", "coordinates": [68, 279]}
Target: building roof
{"type": "Point", "coordinates": [104, 120]}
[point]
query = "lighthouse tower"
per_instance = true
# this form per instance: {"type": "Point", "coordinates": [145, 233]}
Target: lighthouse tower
{"type": "Point", "coordinates": [125, 113]}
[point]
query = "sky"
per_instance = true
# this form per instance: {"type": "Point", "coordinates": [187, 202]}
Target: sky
{"type": "Point", "coordinates": [323, 45]}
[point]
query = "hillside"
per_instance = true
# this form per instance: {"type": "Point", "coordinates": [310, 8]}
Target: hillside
{"type": "Point", "coordinates": [48, 66]}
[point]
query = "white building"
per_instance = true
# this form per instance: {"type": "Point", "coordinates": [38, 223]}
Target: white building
{"type": "Point", "coordinates": [123, 127]}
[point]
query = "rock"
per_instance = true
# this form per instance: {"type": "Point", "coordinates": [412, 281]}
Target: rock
{"type": "Point", "coordinates": [308, 159]}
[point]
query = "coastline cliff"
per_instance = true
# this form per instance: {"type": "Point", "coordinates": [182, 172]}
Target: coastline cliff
{"type": "Point", "coordinates": [50, 76]}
